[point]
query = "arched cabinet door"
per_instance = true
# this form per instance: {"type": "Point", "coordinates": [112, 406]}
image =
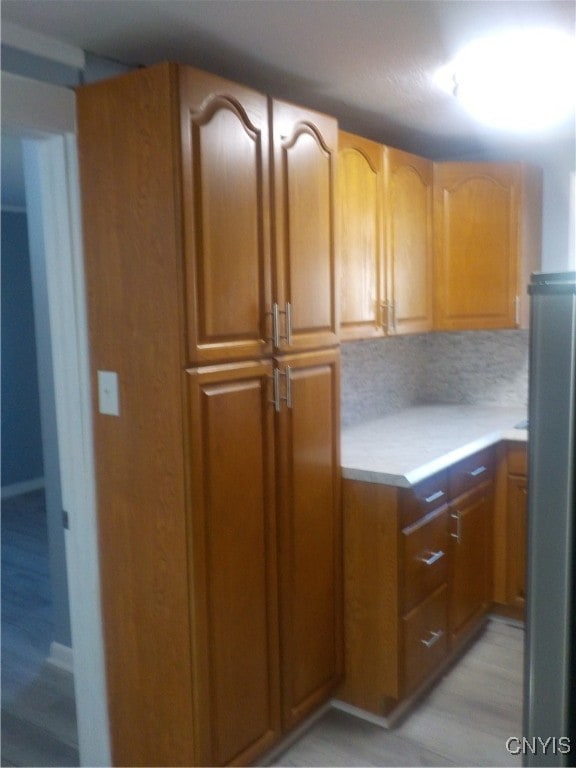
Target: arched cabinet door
{"type": "Point", "coordinates": [487, 226]}
{"type": "Point", "coordinates": [359, 202]}
{"type": "Point", "coordinates": [225, 193]}
{"type": "Point", "coordinates": [409, 194]}
{"type": "Point", "coordinates": [305, 145]}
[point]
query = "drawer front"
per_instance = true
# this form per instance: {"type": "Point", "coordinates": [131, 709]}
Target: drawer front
{"type": "Point", "coordinates": [425, 638]}
{"type": "Point", "coordinates": [423, 498]}
{"type": "Point", "coordinates": [470, 472]}
{"type": "Point", "coordinates": [517, 459]}
{"type": "Point", "coordinates": [424, 557]}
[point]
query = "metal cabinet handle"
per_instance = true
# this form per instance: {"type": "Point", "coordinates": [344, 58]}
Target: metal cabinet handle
{"type": "Point", "coordinates": [478, 471]}
{"type": "Point", "coordinates": [435, 636]}
{"type": "Point", "coordinates": [456, 516]}
{"type": "Point", "coordinates": [275, 390]}
{"type": "Point", "coordinates": [288, 397]}
{"type": "Point", "coordinates": [434, 497]}
{"type": "Point", "coordinates": [433, 558]}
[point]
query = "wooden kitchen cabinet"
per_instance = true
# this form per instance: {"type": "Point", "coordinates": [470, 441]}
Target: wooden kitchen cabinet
{"type": "Point", "coordinates": [395, 588]}
{"type": "Point", "coordinates": [417, 580]}
{"type": "Point", "coordinates": [360, 191]}
{"type": "Point", "coordinates": [471, 490]}
{"type": "Point", "coordinates": [305, 147]}
{"type": "Point", "coordinates": [510, 534]}
{"type": "Point", "coordinates": [310, 532]}
{"type": "Point", "coordinates": [219, 578]}
{"type": "Point", "coordinates": [385, 239]}
{"type": "Point", "coordinates": [487, 229]}
{"type": "Point", "coordinates": [409, 245]}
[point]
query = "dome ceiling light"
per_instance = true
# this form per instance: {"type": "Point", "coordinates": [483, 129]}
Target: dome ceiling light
{"type": "Point", "coordinates": [522, 80]}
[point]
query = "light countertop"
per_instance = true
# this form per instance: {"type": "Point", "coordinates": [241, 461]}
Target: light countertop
{"type": "Point", "coordinates": [408, 446]}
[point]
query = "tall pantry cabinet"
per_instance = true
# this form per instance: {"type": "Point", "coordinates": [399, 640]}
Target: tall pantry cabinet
{"type": "Point", "coordinates": [208, 236]}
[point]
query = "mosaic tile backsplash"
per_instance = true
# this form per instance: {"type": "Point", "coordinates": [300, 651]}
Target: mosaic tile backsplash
{"type": "Point", "coordinates": [470, 367]}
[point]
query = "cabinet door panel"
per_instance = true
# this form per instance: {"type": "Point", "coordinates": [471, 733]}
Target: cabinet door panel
{"type": "Point", "coordinates": [359, 201]}
{"type": "Point", "coordinates": [310, 534]}
{"type": "Point", "coordinates": [305, 146]}
{"type": "Point", "coordinates": [424, 557]}
{"type": "Point", "coordinates": [409, 238]}
{"type": "Point", "coordinates": [234, 561]}
{"type": "Point", "coordinates": [470, 535]}
{"type": "Point", "coordinates": [477, 250]}
{"type": "Point", "coordinates": [425, 640]}
{"type": "Point", "coordinates": [516, 535]}
{"type": "Point", "coordinates": [226, 214]}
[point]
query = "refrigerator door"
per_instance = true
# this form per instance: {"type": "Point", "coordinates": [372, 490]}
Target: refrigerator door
{"type": "Point", "coordinates": [548, 702]}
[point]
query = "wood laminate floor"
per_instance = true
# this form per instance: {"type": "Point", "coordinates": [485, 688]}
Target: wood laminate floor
{"type": "Point", "coordinates": [465, 720]}
{"type": "Point", "coordinates": [38, 706]}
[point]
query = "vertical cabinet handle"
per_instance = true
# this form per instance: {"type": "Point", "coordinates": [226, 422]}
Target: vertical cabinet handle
{"type": "Point", "coordinates": [276, 312]}
{"type": "Point", "coordinates": [456, 516]}
{"type": "Point", "coordinates": [277, 397]}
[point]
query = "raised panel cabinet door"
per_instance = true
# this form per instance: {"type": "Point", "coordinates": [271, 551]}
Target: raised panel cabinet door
{"type": "Point", "coordinates": [477, 256]}
{"type": "Point", "coordinates": [309, 533]}
{"type": "Point", "coordinates": [470, 554]}
{"type": "Point", "coordinates": [233, 562]}
{"type": "Point", "coordinates": [225, 177]}
{"type": "Point", "coordinates": [359, 199]}
{"type": "Point", "coordinates": [409, 196]}
{"type": "Point", "coordinates": [305, 146]}
{"type": "Point", "coordinates": [516, 534]}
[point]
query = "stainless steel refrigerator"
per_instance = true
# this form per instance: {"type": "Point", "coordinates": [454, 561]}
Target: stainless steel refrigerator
{"type": "Point", "coordinates": [550, 662]}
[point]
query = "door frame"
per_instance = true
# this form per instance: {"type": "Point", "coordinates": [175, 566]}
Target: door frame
{"type": "Point", "coordinates": [44, 115]}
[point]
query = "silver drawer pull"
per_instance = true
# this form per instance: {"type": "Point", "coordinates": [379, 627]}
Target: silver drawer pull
{"type": "Point", "coordinates": [434, 557]}
{"type": "Point", "coordinates": [477, 471]}
{"type": "Point", "coordinates": [435, 636]}
{"type": "Point", "coordinates": [434, 497]}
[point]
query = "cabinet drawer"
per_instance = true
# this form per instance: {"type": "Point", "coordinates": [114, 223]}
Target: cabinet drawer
{"type": "Point", "coordinates": [423, 498]}
{"type": "Point", "coordinates": [470, 472]}
{"type": "Point", "coordinates": [424, 557]}
{"type": "Point", "coordinates": [517, 459]}
{"type": "Point", "coordinates": [425, 638]}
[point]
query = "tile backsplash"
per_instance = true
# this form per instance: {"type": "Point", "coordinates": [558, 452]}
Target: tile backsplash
{"type": "Point", "coordinates": [385, 375]}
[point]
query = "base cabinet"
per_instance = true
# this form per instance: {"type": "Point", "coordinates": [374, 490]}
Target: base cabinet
{"type": "Point", "coordinates": [417, 579]}
{"type": "Point", "coordinates": [510, 531]}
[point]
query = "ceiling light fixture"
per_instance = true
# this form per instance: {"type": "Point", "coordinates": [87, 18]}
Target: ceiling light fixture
{"type": "Point", "coordinates": [521, 80]}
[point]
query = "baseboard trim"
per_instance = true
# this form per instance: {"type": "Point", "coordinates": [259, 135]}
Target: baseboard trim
{"type": "Point", "coordinates": [27, 486]}
{"type": "Point", "coordinates": [61, 656]}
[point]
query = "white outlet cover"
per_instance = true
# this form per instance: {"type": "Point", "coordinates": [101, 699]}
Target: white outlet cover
{"type": "Point", "coordinates": [108, 399]}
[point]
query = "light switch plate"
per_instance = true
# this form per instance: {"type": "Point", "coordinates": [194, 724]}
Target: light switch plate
{"type": "Point", "coordinates": [108, 400]}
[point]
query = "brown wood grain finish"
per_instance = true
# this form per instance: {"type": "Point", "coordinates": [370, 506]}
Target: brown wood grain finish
{"type": "Point", "coordinates": [486, 233]}
{"type": "Point", "coordinates": [305, 145]}
{"type": "Point", "coordinates": [176, 188]}
{"type": "Point", "coordinates": [131, 245]}
{"type": "Point", "coordinates": [424, 549]}
{"type": "Point", "coordinates": [470, 583]}
{"type": "Point", "coordinates": [225, 178]}
{"type": "Point", "coordinates": [310, 532]}
{"type": "Point", "coordinates": [409, 250]}
{"type": "Point", "coordinates": [372, 597]}
{"type": "Point", "coordinates": [425, 638]}
{"type": "Point", "coordinates": [517, 528]}
{"type": "Point", "coordinates": [233, 561]}
{"type": "Point", "coordinates": [360, 188]}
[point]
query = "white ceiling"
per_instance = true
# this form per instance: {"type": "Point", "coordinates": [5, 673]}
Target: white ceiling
{"type": "Point", "coordinates": [368, 62]}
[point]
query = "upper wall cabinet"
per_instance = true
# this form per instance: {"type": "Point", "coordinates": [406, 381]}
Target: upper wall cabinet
{"type": "Point", "coordinates": [487, 224]}
{"type": "Point", "coordinates": [408, 213]}
{"type": "Point", "coordinates": [385, 240]}
{"type": "Point", "coordinates": [360, 190]}
{"type": "Point", "coordinates": [305, 146]}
